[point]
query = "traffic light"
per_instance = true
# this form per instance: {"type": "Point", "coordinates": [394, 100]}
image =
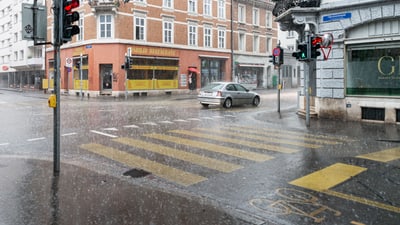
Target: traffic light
{"type": "Point", "coordinates": [128, 62]}
{"type": "Point", "coordinates": [78, 65]}
{"type": "Point", "coordinates": [68, 18]}
{"type": "Point", "coordinates": [315, 45]}
{"type": "Point", "coordinates": [272, 59]}
{"type": "Point", "coordinates": [301, 53]}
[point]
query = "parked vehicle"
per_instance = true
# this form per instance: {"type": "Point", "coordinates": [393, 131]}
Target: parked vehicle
{"type": "Point", "coordinates": [227, 94]}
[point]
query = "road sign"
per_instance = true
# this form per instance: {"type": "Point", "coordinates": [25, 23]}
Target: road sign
{"type": "Point", "coordinates": [27, 22]}
{"type": "Point", "coordinates": [339, 16]}
{"type": "Point", "coordinates": [68, 62]}
{"type": "Point", "coordinates": [276, 52]}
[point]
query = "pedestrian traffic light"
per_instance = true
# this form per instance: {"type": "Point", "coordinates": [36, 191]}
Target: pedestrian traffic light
{"type": "Point", "coordinates": [315, 45]}
{"type": "Point", "coordinates": [68, 18]}
{"type": "Point", "coordinates": [301, 53]}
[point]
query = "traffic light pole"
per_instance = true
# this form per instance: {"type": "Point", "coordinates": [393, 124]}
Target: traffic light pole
{"type": "Point", "coordinates": [307, 75]}
{"type": "Point", "coordinates": [56, 111]}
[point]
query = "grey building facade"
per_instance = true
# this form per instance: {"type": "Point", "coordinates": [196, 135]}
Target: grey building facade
{"type": "Point", "coordinates": [361, 78]}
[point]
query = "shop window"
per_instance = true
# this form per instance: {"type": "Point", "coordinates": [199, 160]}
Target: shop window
{"type": "Point", "coordinates": [372, 113]}
{"type": "Point", "coordinates": [397, 115]}
{"type": "Point", "coordinates": [373, 72]}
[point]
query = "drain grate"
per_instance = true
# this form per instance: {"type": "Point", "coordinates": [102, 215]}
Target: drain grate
{"type": "Point", "coordinates": [136, 173]}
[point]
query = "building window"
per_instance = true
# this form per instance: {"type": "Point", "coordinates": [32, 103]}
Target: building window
{"type": "Point", "coordinates": [256, 17]}
{"type": "Point", "coordinates": [192, 35]}
{"type": "Point", "coordinates": [221, 9]}
{"type": "Point", "coordinates": [192, 6]}
{"type": "Point", "coordinates": [242, 13]}
{"type": "Point", "coordinates": [268, 19]}
{"type": "Point", "coordinates": [221, 38]}
{"type": "Point", "coordinates": [15, 56]}
{"type": "Point", "coordinates": [208, 36]}
{"type": "Point", "coordinates": [105, 26]}
{"type": "Point", "coordinates": [21, 55]}
{"type": "Point", "coordinates": [373, 70]}
{"type": "Point", "coordinates": [256, 43]}
{"type": "Point", "coordinates": [168, 31]}
{"type": "Point", "coordinates": [81, 27]}
{"type": "Point", "coordinates": [168, 4]}
{"type": "Point", "coordinates": [269, 45]}
{"type": "Point", "coordinates": [242, 41]}
{"type": "Point", "coordinates": [140, 28]}
{"type": "Point", "coordinates": [207, 7]}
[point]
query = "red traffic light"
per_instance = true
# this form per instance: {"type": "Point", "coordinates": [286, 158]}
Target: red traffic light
{"type": "Point", "coordinates": [70, 4]}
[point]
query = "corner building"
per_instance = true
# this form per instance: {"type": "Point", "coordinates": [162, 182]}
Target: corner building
{"type": "Point", "coordinates": [361, 79]}
{"type": "Point", "coordinates": [173, 46]}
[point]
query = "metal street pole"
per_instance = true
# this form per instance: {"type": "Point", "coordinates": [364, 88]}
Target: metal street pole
{"type": "Point", "coordinates": [80, 75]}
{"type": "Point", "coordinates": [56, 112]}
{"type": "Point", "coordinates": [279, 88]}
{"type": "Point", "coordinates": [307, 73]}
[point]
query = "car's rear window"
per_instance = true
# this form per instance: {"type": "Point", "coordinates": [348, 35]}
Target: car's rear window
{"type": "Point", "coordinates": [213, 86]}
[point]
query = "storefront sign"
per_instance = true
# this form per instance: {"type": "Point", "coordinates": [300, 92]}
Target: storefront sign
{"type": "Point", "coordinates": [153, 51]}
{"type": "Point", "coordinates": [183, 80]}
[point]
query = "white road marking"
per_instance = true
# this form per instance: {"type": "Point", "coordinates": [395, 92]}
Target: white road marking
{"type": "Point", "coordinates": [181, 121]}
{"type": "Point", "coordinates": [110, 129]}
{"type": "Point", "coordinates": [36, 139]}
{"type": "Point", "coordinates": [102, 133]}
{"type": "Point", "coordinates": [69, 134]}
{"type": "Point", "coordinates": [4, 144]}
{"type": "Point", "coordinates": [166, 121]}
{"type": "Point", "coordinates": [150, 123]}
{"type": "Point", "coordinates": [194, 119]}
{"type": "Point", "coordinates": [131, 126]}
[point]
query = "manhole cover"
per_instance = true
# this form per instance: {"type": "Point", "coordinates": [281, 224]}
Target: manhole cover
{"type": "Point", "coordinates": [136, 173]}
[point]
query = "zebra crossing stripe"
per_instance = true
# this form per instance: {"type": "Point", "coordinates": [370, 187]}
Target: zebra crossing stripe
{"type": "Point", "coordinates": [182, 155]}
{"type": "Point", "coordinates": [169, 173]}
{"type": "Point", "coordinates": [253, 156]}
{"type": "Point", "coordinates": [262, 138]}
{"type": "Point", "coordinates": [320, 139]}
{"type": "Point", "coordinates": [383, 156]}
{"type": "Point", "coordinates": [236, 141]}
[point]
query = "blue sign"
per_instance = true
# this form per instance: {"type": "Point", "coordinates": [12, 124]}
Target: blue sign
{"type": "Point", "coordinates": [340, 16]}
{"type": "Point", "coordinates": [88, 46]}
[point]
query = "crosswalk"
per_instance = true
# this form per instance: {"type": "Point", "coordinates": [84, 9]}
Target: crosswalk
{"type": "Point", "coordinates": [220, 150]}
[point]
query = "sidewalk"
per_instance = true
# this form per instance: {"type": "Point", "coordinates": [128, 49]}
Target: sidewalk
{"type": "Point", "coordinates": [30, 194]}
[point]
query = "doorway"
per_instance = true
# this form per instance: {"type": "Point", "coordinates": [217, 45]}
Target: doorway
{"type": "Point", "coordinates": [106, 78]}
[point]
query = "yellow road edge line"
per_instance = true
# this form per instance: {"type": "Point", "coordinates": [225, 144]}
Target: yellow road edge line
{"type": "Point", "coordinates": [362, 201]}
{"type": "Point", "coordinates": [236, 141]}
{"type": "Point", "coordinates": [383, 156]}
{"type": "Point", "coordinates": [262, 138]}
{"type": "Point", "coordinates": [204, 161]}
{"type": "Point", "coordinates": [328, 177]}
{"type": "Point", "coordinates": [253, 156]}
{"type": "Point", "coordinates": [158, 169]}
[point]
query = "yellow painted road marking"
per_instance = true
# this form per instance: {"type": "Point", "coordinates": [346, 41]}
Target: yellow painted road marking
{"type": "Point", "coordinates": [292, 135]}
{"type": "Point", "coordinates": [262, 138]}
{"type": "Point", "coordinates": [158, 169]}
{"type": "Point", "coordinates": [213, 147]}
{"type": "Point", "coordinates": [328, 177]}
{"type": "Point", "coordinates": [333, 175]}
{"type": "Point", "coordinates": [236, 141]}
{"type": "Point", "coordinates": [383, 156]}
{"type": "Point", "coordinates": [362, 201]}
{"type": "Point", "coordinates": [182, 155]}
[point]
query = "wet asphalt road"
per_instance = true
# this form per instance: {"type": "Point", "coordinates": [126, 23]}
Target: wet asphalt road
{"type": "Point", "coordinates": [245, 165]}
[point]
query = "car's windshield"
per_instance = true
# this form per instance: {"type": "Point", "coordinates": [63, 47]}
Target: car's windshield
{"type": "Point", "coordinates": [212, 86]}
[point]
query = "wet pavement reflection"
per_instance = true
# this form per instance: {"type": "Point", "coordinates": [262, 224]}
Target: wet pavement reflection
{"type": "Point", "coordinates": [31, 195]}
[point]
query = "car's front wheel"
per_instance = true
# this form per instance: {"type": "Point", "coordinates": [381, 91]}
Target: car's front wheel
{"type": "Point", "coordinates": [256, 101]}
{"type": "Point", "coordinates": [228, 103]}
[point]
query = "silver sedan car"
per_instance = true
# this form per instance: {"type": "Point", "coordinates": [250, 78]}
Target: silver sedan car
{"type": "Point", "coordinates": [227, 94]}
